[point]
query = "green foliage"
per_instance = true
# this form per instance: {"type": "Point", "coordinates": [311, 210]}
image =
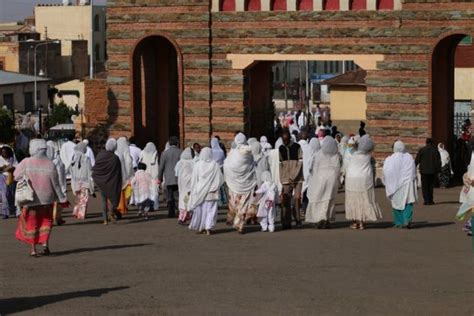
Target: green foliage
{"type": "Point", "coordinates": [60, 114]}
{"type": "Point", "coordinates": [7, 126]}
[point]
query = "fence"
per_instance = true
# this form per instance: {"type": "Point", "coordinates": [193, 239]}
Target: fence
{"type": "Point", "coordinates": [459, 119]}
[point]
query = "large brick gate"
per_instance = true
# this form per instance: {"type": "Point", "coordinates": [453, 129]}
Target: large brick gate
{"type": "Point", "coordinates": [215, 47]}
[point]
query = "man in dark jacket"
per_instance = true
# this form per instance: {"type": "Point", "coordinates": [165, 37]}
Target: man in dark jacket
{"type": "Point", "coordinates": [430, 165]}
{"type": "Point", "coordinates": [168, 162]}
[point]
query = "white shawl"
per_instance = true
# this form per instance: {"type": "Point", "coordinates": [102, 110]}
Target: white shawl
{"type": "Point", "coordinates": [206, 178]}
{"type": "Point", "coordinates": [359, 171]}
{"type": "Point", "coordinates": [444, 155]}
{"type": "Point", "coordinates": [123, 152]}
{"type": "Point", "coordinates": [184, 171]}
{"type": "Point", "coordinates": [239, 170]}
{"type": "Point", "coordinates": [398, 170]}
{"type": "Point", "coordinates": [217, 153]}
{"type": "Point", "coordinates": [149, 157]}
{"type": "Point", "coordinates": [324, 178]}
{"type": "Point", "coordinates": [274, 162]}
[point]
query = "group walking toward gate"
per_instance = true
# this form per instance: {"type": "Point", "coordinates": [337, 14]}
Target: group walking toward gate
{"type": "Point", "coordinates": [299, 178]}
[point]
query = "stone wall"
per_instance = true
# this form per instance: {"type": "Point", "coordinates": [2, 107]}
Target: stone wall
{"type": "Point", "coordinates": [398, 90]}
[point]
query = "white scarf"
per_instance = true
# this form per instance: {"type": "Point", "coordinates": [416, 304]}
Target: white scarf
{"type": "Point", "coordinates": [444, 155]}
{"type": "Point", "coordinates": [207, 177]}
{"type": "Point", "coordinates": [123, 152]}
{"type": "Point", "coordinates": [398, 169]}
{"type": "Point", "coordinates": [149, 157]}
{"type": "Point", "coordinates": [217, 153]}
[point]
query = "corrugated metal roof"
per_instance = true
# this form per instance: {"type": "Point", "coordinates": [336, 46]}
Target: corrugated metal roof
{"type": "Point", "coordinates": [350, 78]}
{"type": "Point", "coordinates": [7, 77]}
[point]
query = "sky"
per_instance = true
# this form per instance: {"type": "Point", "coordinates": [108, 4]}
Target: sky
{"type": "Point", "coordinates": [17, 10]}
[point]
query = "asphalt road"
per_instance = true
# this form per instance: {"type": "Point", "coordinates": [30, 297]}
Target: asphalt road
{"type": "Point", "coordinates": [160, 268]}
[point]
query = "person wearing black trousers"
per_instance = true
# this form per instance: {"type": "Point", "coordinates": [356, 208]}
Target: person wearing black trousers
{"type": "Point", "coordinates": [429, 160]}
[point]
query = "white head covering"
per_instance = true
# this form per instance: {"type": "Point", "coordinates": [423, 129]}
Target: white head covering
{"type": "Point", "coordinates": [365, 144]}
{"type": "Point", "coordinates": [240, 139]}
{"type": "Point", "coordinates": [444, 155]}
{"type": "Point", "coordinates": [251, 140]}
{"type": "Point", "coordinates": [149, 157]}
{"type": "Point", "coordinates": [239, 168]}
{"type": "Point", "coordinates": [111, 145]}
{"type": "Point", "coordinates": [81, 169]}
{"type": "Point", "coordinates": [329, 146]}
{"type": "Point", "coordinates": [38, 147]}
{"type": "Point", "coordinates": [207, 177]}
{"type": "Point", "coordinates": [217, 153]}
{"type": "Point", "coordinates": [123, 152]}
{"type": "Point", "coordinates": [266, 146]}
{"type": "Point", "coordinates": [398, 169]}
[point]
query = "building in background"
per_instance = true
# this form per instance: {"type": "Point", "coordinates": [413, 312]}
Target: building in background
{"type": "Point", "coordinates": [348, 93]}
{"type": "Point", "coordinates": [17, 91]}
{"type": "Point", "coordinates": [74, 21]}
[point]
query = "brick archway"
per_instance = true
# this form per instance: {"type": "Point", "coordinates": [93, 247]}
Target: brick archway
{"type": "Point", "coordinates": [156, 90]}
{"type": "Point", "coordinates": [442, 89]}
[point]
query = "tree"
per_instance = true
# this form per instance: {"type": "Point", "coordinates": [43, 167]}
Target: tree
{"type": "Point", "coordinates": [7, 126]}
{"type": "Point", "coordinates": [60, 114]}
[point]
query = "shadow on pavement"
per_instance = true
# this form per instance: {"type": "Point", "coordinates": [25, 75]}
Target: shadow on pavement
{"type": "Point", "coordinates": [90, 249]}
{"type": "Point", "coordinates": [417, 225]}
{"type": "Point", "coordinates": [21, 304]}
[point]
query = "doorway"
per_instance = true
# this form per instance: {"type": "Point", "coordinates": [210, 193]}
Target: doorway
{"type": "Point", "coordinates": [156, 91]}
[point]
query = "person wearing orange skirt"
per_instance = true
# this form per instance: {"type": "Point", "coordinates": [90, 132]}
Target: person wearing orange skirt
{"type": "Point", "coordinates": [36, 218]}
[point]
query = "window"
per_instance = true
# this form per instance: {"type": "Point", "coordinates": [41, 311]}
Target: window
{"type": "Point", "coordinates": [227, 5]}
{"type": "Point", "coordinates": [97, 52]}
{"type": "Point", "coordinates": [8, 100]}
{"type": "Point", "coordinates": [2, 63]}
{"type": "Point", "coordinates": [253, 5]}
{"type": "Point", "coordinates": [278, 5]}
{"type": "Point", "coordinates": [305, 5]}
{"type": "Point", "coordinates": [358, 5]}
{"type": "Point", "coordinates": [97, 23]}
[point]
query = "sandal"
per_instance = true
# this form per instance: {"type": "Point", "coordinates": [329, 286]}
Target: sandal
{"type": "Point", "coordinates": [354, 226]}
{"type": "Point", "coordinates": [33, 255]}
{"type": "Point", "coordinates": [361, 226]}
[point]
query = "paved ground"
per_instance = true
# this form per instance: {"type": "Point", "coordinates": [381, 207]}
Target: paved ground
{"type": "Point", "coordinates": [158, 267]}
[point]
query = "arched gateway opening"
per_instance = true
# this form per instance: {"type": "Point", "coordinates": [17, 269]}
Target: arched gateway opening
{"type": "Point", "coordinates": [156, 91]}
{"type": "Point", "coordinates": [448, 112]}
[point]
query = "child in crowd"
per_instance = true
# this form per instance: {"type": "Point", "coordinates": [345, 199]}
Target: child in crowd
{"type": "Point", "coordinates": [266, 210]}
{"type": "Point", "coordinates": [145, 191]}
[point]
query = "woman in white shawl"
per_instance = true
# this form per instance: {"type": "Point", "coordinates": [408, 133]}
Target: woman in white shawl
{"type": "Point", "coordinates": [261, 162]}
{"type": "Point", "coordinates": [446, 170]}
{"type": "Point", "coordinates": [149, 157]}
{"type": "Point", "coordinates": [184, 171]}
{"type": "Point", "coordinates": [266, 146]}
{"type": "Point", "coordinates": [217, 153]}
{"type": "Point", "coordinates": [360, 190]}
{"type": "Point", "coordinates": [323, 183]}
{"type": "Point", "coordinates": [81, 180]}
{"type": "Point", "coordinates": [53, 154]}
{"type": "Point", "coordinates": [399, 175]}
{"type": "Point", "coordinates": [239, 173]}
{"type": "Point", "coordinates": [123, 153]}
{"type": "Point", "coordinates": [206, 181]}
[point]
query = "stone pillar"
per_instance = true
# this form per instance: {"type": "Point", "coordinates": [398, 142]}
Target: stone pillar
{"type": "Point", "coordinates": [215, 6]}
{"type": "Point", "coordinates": [291, 5]}
{"type": "Point", "coordinates": [397, 4]}
{"type": "Point", "coordinates": [318, 5]}
{"type": "Point", "coordinates": [344, 5]}
{"type": "Point", "coordinates": [371, 4]}
{"type": "Point", "coordinates": [239, 5]}
{"type": "Point", "coordinates": [265, 5]}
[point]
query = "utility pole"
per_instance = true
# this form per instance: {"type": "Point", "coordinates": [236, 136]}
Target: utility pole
{"type": "Point", "coordinates": [91, 44]}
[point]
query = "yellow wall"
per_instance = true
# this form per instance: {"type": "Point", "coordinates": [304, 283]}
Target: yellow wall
{"type": "Point", "coordinates": [464, 84]}
{"type": "Point", "coordinates": [9, 51]}
{"type": "Point", "coordinates": [348, 103]}
{"type": "Point", "coordinates": [77, 25]}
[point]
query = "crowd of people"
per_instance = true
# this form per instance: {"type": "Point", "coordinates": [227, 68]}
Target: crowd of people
{"type": "Point", "coordinates": [301, 176]}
